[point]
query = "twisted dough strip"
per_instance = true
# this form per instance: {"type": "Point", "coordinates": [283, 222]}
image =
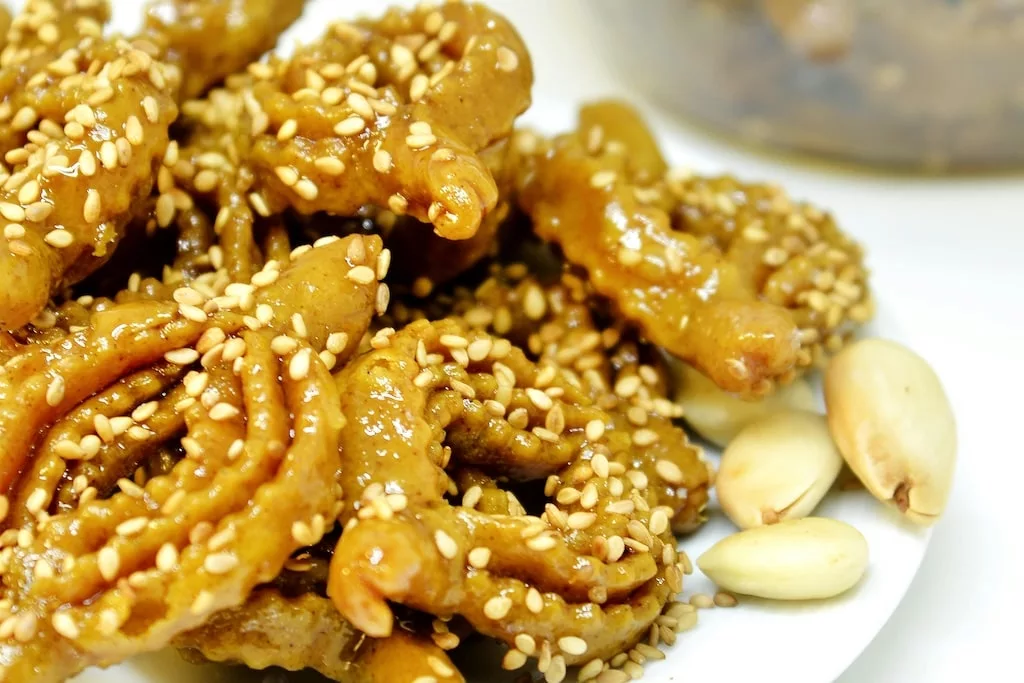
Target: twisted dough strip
{"type": "Point", "coordinates": [243, 30]}
{"type": "Point", "coordinates": [40, 33]}
{"type": "Point", "coordinates": [605, 575]}
{"type": "Point", "coordinates": [126, 590]}
{"type": "Point", "coordinates": [555, 323]}
{"type": "Point", "coordinates": [113, 577]}
{"type": "Point", "coordinates": [306, 631]}
{"type": "Point", "coordinates": [96, 117]}
{"type": "Point", "coordinates": [389, 113]}
{"type": "Point", "coordinates": [590, 200]}
{"type": "Point", "coordinates": [792, 253]}
{"type": "Point", "coordinates": [45, 382]}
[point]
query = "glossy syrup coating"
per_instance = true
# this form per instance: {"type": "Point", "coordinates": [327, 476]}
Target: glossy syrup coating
{"type": "Point", "coordinates": [792, 253]}
{"type": "Point", "coordinates": [390, 113]}
{"type": "Point", "coordinates": [306, 632]}
{"type": "Point", "coordinates": [585, 196]}
{"type": "Point", "coordinates": [125, 572]}
{"type": "Point", "coordinates": [209, 40]}
{"type": "Point", "coordinates": [89, 124]}
{"type": "Point", "coordinates": [601, 576]}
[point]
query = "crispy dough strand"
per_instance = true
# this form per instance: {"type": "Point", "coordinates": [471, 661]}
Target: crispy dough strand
{"type": "Point", "coordinates": [681, 292]}
{"type": "Point", "coordinates": [416, 151]}
{"type": "Point", "coordinates": [262, 633]}
{"type": "Point", "coordinates": [245, 29]}
{"type": "Point", "coordinates": [420, 549]}
{"type": "Point", "coordinates": [87, 183]}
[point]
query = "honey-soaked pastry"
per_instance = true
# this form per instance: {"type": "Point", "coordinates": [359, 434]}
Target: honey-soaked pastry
{"type": "Point", "coordinates": [126, 569]}
{"type": "Point", "coordinates": [307, 632]}
{"type": "Point", "coordinates": [5, 24]}
{"type": "Point", "coordinates": [390, 113]}
{"type": "Point", "coordinates": [96, 118]}
{"type": "Point", "coordinates": [685, 296]}
{"type": "Point", "coordinates": [42, 32]}
{"type": "Point", "coordinates": [791, 252]}
{"type": "Point", "coordinates": [553, 321]}
{"type": "Point", "coordinates": [595, 579]}
{"type": "Point", "coordinates": [212, 39]}
{"type": "Point", "coordinates": [85, 378]}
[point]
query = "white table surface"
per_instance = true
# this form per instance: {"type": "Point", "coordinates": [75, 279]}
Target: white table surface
{"type": "Point", "coordinates": [946, 258]}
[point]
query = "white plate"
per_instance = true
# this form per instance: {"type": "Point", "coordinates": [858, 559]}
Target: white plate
{"type": "Point", "coordinates": [766, 642]}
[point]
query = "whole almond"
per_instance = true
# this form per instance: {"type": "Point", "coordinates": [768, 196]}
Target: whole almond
{"type": "Point", "coordinates": [719, 416]}
{"type": "Point", "coordinates": [891, 419]}
{"type": "Point", "coordinates": [801, 559]}
{"type": "Point", "coordinates": [777, 468]}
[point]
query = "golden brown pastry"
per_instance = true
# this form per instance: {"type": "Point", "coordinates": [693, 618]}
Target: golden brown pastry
{"type": "Point", "coordinates": [82, 130]}
{"type": "Point", "coordinates": [128, 568]}
{"type": "Point", "coordinates": [209, 40]}
{"type": "Point", "coordinates": [433, 393]}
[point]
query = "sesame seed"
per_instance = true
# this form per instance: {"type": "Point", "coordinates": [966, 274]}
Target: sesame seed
{"type": "Point", "coordinates": [55, 391]}
{"type": "Point", "coordinates": [58, 238]}
{"type": "Point", "coordinates": [65, 625]}
{"type": "Point", "coordinates": [645, 437]}
{"type": "Point", "coordinates": [182, 356]}
{"type": "Point", "coordinates": [420, 141]}
{"type": "Point", "coordinates": [220, 563]}
{"type": "Point", "coordinates": [167, 557]}
{"type": "Point", "coordinates": [109, 562]}
{"type": "Point", "coordinates": [69, 450]}
{"type": "Point", "coordinates": [581, 520]}
{"type": "Point", "coordinates": [589, 498]}
{"type": "Point", "coordinates": [223, 411]}
{"type": "Point", "coordinates": [594, 430]}
{"type": "Point", "coordinates": [287, 130]}
{"type": "Point", "coordinates": [307, 189]}
{"type": "Point", "coordinates": [572, 645]}
{"type": "Point", "coordinates": [332, 166]}
{"type": "Point", "coordinates": [669, 471]}
{"type": "Point", "coordinates": [259, 204]}
{"type": "Point", "coordinates": [265, 278]}
{"type": "Point", "coordinates": [479, 557]}
{"type": "Point", "coordinates": [119, 425]}
{"type": "Point", "coordinates": [203, 603]}
{"type": "Point", "coordinates": [19, 248]}
{"type": "Point", "coordinates": [658, 523]}
{"type": "Point", "coordinates": [353, 125]}
{"type": "Point", "coordinates": [36, 500]}
{"type": "Point", "coordinates": [599, 463]}
{"type": "Point", "coordinates": [132, 526]}
{"type": "Point", "coordinates": [445, 544]}
{"type": "Point", "coordinates": [24, 119]}
{"type": "Point", "coordinates": [507, 59]}
{"type": "Point", "coordinates": [299, 365]}
{"type": "Point", "coordinates": [513, 659]}
{"type": "Point", "coordinates": [383, 298]}
{"type": "Point", "coordinates": [621, 507]}
{"type": "Point", "coordinates": [723, 599]}
{"type": "Point", "coordinates": [542, 542]}
{"type": "Point", "coordinates": [14, 231]}
{"type": "Point", "coordinates": [701, 601]}
{"type": "Point", "coordinates": [381, 161]}
{"type": "Point", "coordinates": [616, 548]}
{"type": "Point", "coordinates": [363, 275]}
{"type": "Point", "coordinates": [25, 627]}
{"type": "Point", "coordinates": [497, 607]}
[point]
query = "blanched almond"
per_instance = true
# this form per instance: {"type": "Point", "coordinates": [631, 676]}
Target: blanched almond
{"type": "Point", "coordinates": [893, 423]}
{"type": "Point", "coordinates": [719, 416]}
{"type": "Point", "coordinates": [777, 468]}
{"type": "Point", "coordinates": [800, 559]}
